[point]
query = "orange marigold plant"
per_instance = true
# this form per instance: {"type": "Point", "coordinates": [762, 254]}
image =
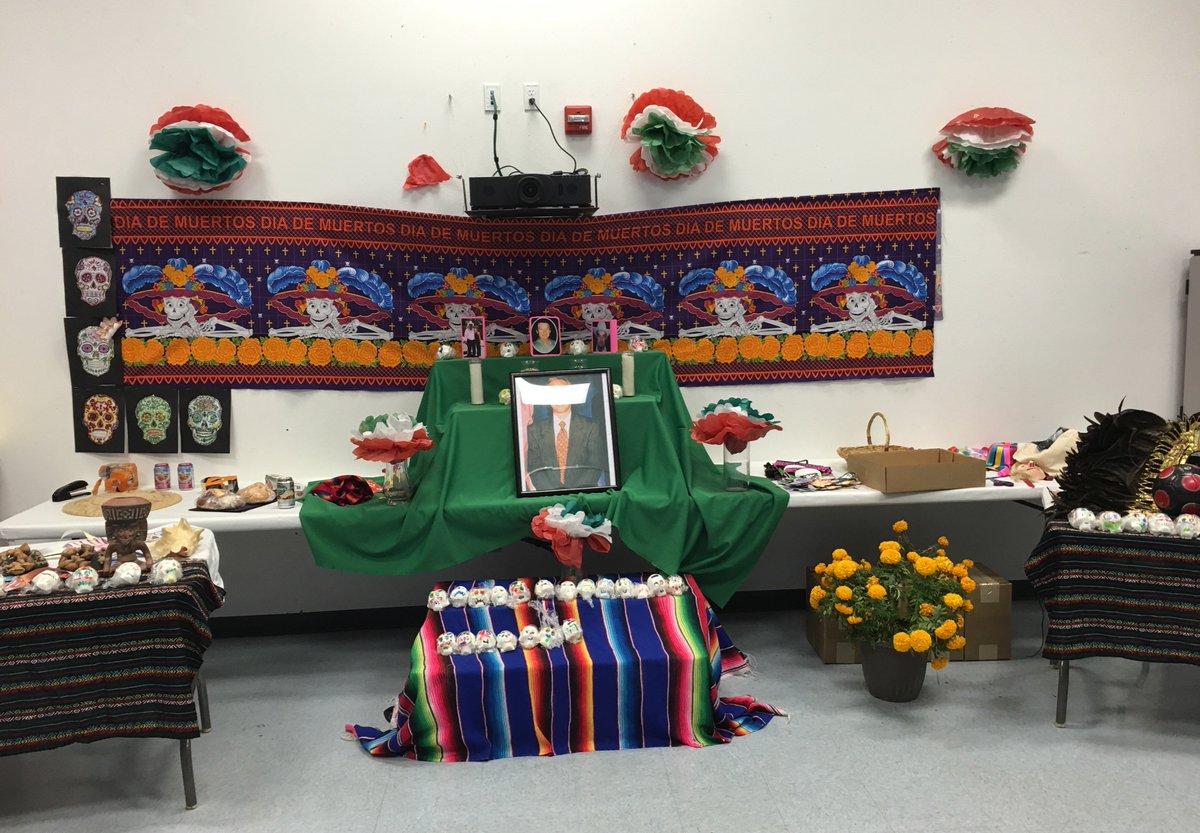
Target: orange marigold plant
{"type": "Point", "coordinates": [297, 352]}
{"type": "Point", "coordinates": [858, 345]}
{"type": "Point", "coordinates": [249, 352]}
{"type": "Point", "coordinates": [345, 351]}
{"type": "Point", "coordinates": [901, 343]}
{"type": "Point", "coordinates": [275, 350]}
{"type": "Point", "coordinates": [922, 343]}
{"type": "Point", "coordinates": [750, 347]}
{"type": "Point", "coordinates": [226, 351]}
{"type": "Point", "coordinates": [684, 349]}
{"type": "Point", "coordinates": [793, 348]}
{"type": "Point", "coordinates": [815, 344]}
{"type": "Point", "coordinates": [662, 345]}
{"type": "Point", "coordinates": [153, 352]}
{"type": "Point", "coordinates": [881, 343]}
{"type": "Point", "coordinates": [390, 354]}
{"type": "Point", "coordinates": [705, 350]}
{"type": "Point", "coordinates": [835, 348]}
{"type": "Point", "coordinates": [367, 352]}
{"type": "Point", "coordinates": [414, 353]}
{"type": "Point", "coordinates": [132, 351]}
{"type": "Point", "coordinates": [770, 348]}
{"type": "Point", "coordinates": [320, 352]}
{"type": "Point", "coordinates": [179, 352]}
{"type": "Point", "coordinates": [727, 350]}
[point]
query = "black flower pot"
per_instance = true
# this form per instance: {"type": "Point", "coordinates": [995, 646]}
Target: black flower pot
{"type": "Point", "coordinates": [891, 675]}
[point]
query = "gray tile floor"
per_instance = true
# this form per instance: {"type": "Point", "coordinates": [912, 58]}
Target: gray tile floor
{"type": "Point", "coordinates": [977, 752]}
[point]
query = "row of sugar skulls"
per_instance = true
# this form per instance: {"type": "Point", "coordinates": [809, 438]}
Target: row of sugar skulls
{"type": "Point", "coordinates": [317, 299]}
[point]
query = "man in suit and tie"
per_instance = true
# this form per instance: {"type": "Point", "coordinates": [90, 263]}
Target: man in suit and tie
{"type": "Point", "coordinates": [566, 451]}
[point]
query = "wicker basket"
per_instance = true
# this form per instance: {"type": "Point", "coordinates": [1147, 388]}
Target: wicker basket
{"type": "Point", "coordinates": [846, 452]}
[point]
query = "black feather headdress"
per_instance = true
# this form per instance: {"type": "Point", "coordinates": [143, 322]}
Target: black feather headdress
{"type": "Point", "coordinates": [1104, 471]}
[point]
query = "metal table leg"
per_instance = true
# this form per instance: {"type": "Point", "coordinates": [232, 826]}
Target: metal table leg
{"type": "Point", "coordinates": [202, 702]}
{"type": "Point", "coordinates": [189, 777]}
{"type": "Point", "coordinates": [1064, 676]}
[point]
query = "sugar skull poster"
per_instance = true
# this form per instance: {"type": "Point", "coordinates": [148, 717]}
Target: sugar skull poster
{"type": "Point", "coordinates": [84, 212]}
{"type": "Point", "coordinates": [88, 286]}
{"type": "Point", "coordinates": [206, 419]}
{"type": "Point", "coordinates": [94, 351]}
{"type": "Point", "coordinates": [153, 416]}
{"type": "Point", "coordinates": [98, 417]}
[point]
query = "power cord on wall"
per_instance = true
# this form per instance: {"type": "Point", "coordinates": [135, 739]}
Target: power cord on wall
{"type": "Point", "coordinates": [495, 131]}
{"type": "Point", "coordinates": [574, 163]}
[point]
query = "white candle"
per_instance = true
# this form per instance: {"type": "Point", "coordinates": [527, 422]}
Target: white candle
{"type": "Point", "coordinates": [476, 381]}
{"type": "Point", "coordinates": [627, 384]}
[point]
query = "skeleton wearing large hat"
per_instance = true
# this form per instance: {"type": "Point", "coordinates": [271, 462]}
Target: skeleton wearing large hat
{"type": "Point", "coordinates": [634, 299]}
{"type": "Point", "coordinates": [187, 301]}
{"type": "Point", "coordinates": [866, 295]}
{"type": "Point", "coordinates": [738, 300]}
{"type": "Point", "coordinates": [445, 299]}
{"type": "Point", "coordinates": [325, 302]}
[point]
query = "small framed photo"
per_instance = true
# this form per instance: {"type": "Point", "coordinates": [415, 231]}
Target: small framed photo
{"type": "Point", "coordinates": [604, 336]}
{"type": "Point", "coordinates": [564, 433]}
{"type": "Point", "coordinates": [474, 344]}
{"type": "Point", "coordinates": [545, 336]}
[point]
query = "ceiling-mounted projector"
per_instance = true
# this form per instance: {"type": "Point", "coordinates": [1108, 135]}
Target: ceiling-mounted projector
{"type": "Point", "coordinates": [531, 195]}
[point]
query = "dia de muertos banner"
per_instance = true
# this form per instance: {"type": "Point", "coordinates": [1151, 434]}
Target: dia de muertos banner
{"type": "Point", "coordinates": [302, 295]}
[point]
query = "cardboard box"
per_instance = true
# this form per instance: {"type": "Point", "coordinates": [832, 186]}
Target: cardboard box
{"type": "Point", "coordinates": [918, 470]}
{"type": "Point", "coordinates": [988, 629]}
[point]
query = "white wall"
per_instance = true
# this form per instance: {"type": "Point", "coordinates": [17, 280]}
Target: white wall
{"type": "Point", "coordinates": [1062, 281]}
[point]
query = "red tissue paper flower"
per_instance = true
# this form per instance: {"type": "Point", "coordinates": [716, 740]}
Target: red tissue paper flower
{"type": "Point", "coordinates": [423, 171]}
{"type": "Point", "coordinates": [389, 438]}
{"type": "Point", "coordinates": [732, 423]}
{"type": "Point", "coordinates": [567, 530]}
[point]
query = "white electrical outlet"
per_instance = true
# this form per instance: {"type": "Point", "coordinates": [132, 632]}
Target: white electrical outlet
{"type": "Point", "coordinates": [533, 91]}
{"type": "Point", "coordinates": [491, 98]}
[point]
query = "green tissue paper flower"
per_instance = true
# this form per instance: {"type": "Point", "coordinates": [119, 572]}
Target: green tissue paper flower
{"type": "Point", "coordinates": [674, 151]}
{"type": "Point", "coordinates": [980, 162]}
{"type": "Point", "coordinates": [192, 153]}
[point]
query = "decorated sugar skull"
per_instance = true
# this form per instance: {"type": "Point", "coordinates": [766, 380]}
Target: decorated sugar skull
{"type": "Point", "coordinates": [641, 590]}
{"type": "Point", "coordinates": [1109, 521]}
{"type": "Point", "coordinates": [100, 418]}
{"type": "Point", "coordinates": [84, 211]}
{"type": "Point", "coordinates": [1160, 524]}
{"type": "Point", "coordinates": [128, 573]}
{"type": "Point", "coordinates": [459, 595]}
{"type": "Point", "coordinates": [445, 351]}
{"type": "Point", "coordinates": [566, 591]}
{"type": "Point", "coordinates": [550, 637]}
{"type": "Point", "coordinates": [676, 585]}
{"type": "Point", "coordinates": [637, 344]}
{"type": "Point", "coordinates": [94, 350]}
{"type": "Point", "coordinates": [153, 415]}
{"type": "Point", "coordinates": [479, 597]}
{"type": "Point", "coordinates": [657, 584]}
{"type": "Point", "coordinates": [204, 418]}
{"type": "Point", "coordinates": [47, 581]}
{"type": "Point", "coordinates": [544, 589]}
{"type": "Point", "coordinates": [439, 600]}
{"type": "Point", "coordinates": [505, 396]}
{"type": "Point", "coordinates": [577, 347]}
{"type": "Point", "coordinates": [499, 596]}
{"type": "Point", "coordinates": [1187, 526]}
{"type": "Point", "coordinates": [485, 641]}
{"type": "Point", "coordinates": [506, 641]}
{"type": "Point", "coordinates": [464, 643]}
{"type": "Point", "coordinates": [572, 631]}
{"type": "Point", "coordinates": [508, 350]}
{"type": "Point", "coordinates": [529, 637]}
{"type": "Point", "coordinates": [1135, 522]}
{"type": "Point", "coordinates": [166, 571]}
{"type": "Point", "coordinates": [445, 644]}
{"type": "Point", "coordinates": [617, 391]}
{"type": "Point", "coordinates": [1082, 519]}
{"type": "Point", "coordinates": [586, 589]}
{"type": "Point", "coordinates": [605, 588]}
{"type": "Point", "coordinates": [623, 588]}
{"type": "Point", "coordinates": [93, 276]}
{"type": "Point", "coordinates": [518, 593]}
{"type": "Point", "coordinates": [83, 580]}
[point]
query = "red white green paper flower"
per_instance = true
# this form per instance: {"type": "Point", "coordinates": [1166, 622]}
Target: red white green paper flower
{"type": "Point", "coordinates": [199, 149]}
{"type": "Point", "coordinates": [733, 423]}
{"type": "Point", "coordinates": [675, 134]}
{"type": "Point", "coordinates": [389, 438]}
{"type": "Point", "coordinates": [986, 141]}
{"type": "Point", "coordinates": [568, 527]}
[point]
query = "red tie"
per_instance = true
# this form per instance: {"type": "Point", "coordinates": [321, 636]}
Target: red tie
{"type": "Point", "coordinates": [560, 445]}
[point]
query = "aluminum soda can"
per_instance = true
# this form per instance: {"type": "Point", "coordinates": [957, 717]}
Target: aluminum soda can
{"type": "Point", "coordinates": [186, 477]}
{"type": "Point", "coordinates": [162, 476]}
{"type": "Point", "coordinates": [285, 492]}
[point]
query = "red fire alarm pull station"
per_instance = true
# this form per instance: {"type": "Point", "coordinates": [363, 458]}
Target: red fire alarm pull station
{"type": "Point", "coordinates": [577, 119]}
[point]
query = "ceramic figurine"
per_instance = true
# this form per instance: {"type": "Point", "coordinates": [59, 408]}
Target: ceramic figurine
{"type": "Point", "coordinates": [530, 636]}
{"type": "Point", "coordinates": [83, 580]}
{"type": "Point", "coordinates": [1082, 519]}
{"type": "Point", "coordinates": [1187, 526]}
{"type": "Point", "coordinates": [499, 596]}
{"type": "Point", "coordinates": [508, 349]}
{"type": "Point", "coordinates": [1135, 522]}
{"type": "Point", "coordinates": [1160, 524]}
{"type": "Point", "coordinates": [485, 641]}
{"type": "Point", "coordinates": [657, 584]}
{"type": "Point", "coordinates": [464, 644]}
{"type": "Point", "coordinates": [572, 631]}
{"type": "Point", "coordinates": [125, 528]}
{"type": "Point", "coordinates": [518, 593]}
{"type": "Point", "coordinates": [458, 596]}
{"type": "Point", "coordinates": [544, 589]}
{"type": "Point", "coordinates": [586, 589]}
{"type": "Point", "coordinates": [1109, 521]}
{"type": "Point", "coordinates": [445, 644]}
{"type": "Point", "coordinates": [439, 600]}
{"type": "Point", "coordinates": [623, 588]}
{"type": "Point", "coordinates": [506, 641]}
{"type": "Point", "coordinates": [676, 586]}
{"type": "Point", "coordinates": [479, 597]}
{"type": "Point", "coordinates": [167, 571]}
{"type": "Point", "coordinates": [605, 588]}
{"type": "Point", "coordinates": [566, 591]}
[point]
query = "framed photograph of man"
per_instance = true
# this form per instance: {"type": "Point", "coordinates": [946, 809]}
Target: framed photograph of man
{"type": "Point", "coordinates": [604, 336]}
{"type": "Point", "coordinates": [545, 336]}
{"type": "Point", "coordinates": [474, 345]}
{"type": "Point", "coordinates": [564, 433]}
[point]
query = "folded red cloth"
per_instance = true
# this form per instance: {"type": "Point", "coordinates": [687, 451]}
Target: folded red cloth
{"type": "Point", "coordinates": [345, 490]}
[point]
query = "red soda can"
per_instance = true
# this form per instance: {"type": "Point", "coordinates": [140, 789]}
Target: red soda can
{"type": "Point", "coordinates": [162, 476]}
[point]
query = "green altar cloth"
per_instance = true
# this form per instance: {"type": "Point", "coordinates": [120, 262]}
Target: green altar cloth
{"type": "Point", "coordinates": [671, 508]}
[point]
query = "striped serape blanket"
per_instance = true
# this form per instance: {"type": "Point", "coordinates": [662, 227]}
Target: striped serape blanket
{"type": "Point", "coordinates": [113, 663]}
{"type": "Point", "coordinates": [1122, 595]}
{"type": "Point", "coordinates": [645, 674]}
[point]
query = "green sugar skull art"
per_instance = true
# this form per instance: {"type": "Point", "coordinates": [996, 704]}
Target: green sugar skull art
{"type": "Point", "coordinates": [204, 419]}
{"type": "Point", "coordinates": [153, 414]}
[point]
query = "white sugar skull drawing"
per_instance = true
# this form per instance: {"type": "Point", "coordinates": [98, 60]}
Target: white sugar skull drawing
{"type": "Point", "coordinates": [94, 350]}
{"type": "Point", "coordinates": [204, 419]}
{"type": "Point", "coordinates": [84, 210]}
{"type": "Point", "coordinates": [153, 415]}
{"type": "Point", "coordinates": [93, 276]}
{"type": "Point", "coordinates": [100, 416]}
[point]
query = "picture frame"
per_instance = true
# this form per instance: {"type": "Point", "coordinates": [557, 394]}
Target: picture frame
{"type": "Point", "coordinates": [473, 337]}
{"type": "Point", "coordinates": [545, 342]}
{"type": "Point", "coordinates": [604, 336]}
{"type": "Point", "coordinates": [591, 462]}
